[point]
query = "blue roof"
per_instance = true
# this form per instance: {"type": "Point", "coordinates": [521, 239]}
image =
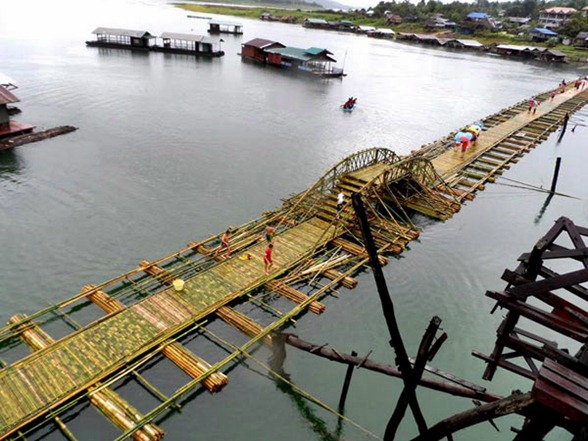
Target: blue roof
{"type": "Point", "coordinates": [544, 31]}
{"type": "Point", "coordinates": [478, 15]}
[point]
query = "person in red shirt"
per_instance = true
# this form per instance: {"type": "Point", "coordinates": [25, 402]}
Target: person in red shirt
{"type": "Point", "coordinates": [267, 259]}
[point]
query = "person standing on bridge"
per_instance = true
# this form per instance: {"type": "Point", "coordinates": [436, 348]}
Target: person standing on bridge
{"type": "Point", "coordinates": [269, 233]}
{"type": "Point", "coordinates": [225, 244]}
{"type": "Point", "coordinates": [340, 201]}
{"type": "Point", "coordinates": [267, 259]}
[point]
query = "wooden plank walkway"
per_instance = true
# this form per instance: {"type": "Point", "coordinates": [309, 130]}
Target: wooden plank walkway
{"type": "Point", "coordinates": [55, 374]}
{"type": "Point", "coordinates": [451, 162]}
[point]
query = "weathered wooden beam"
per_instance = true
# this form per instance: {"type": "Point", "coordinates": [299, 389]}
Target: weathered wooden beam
{"type": "Point", "coordinates": [512, 404]}
{"type": "Point", "coordinates": [452, 385]}
{"type": "Point", "coordinates": [388, 309]}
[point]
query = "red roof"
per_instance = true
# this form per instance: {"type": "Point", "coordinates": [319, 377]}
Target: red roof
{"type": "Point", "coordinates": [261, 43]}
{"type": "Point", "coordinates": [7, 97]}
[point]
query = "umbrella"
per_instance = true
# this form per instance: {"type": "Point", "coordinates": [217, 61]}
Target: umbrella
{"type": "Point", "coordinates": [480, 124]}
{"type": "Point", "coordinates": [473, 129]}
{"type": "Point", "coordinates": [463, 137]}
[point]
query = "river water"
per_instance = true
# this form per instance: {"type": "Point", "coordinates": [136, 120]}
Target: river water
{"type": "Point", "coordinates": [172, 149]}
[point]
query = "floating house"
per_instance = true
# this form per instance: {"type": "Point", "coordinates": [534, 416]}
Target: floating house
{"type": "Point", "coordinates": [387, 34]}
{"type": "Point", "coordinates": [224, 27]}
{"type": "Point", "coordinates": [172, 43]}
{"type": "Point", "coordinates": [256, 49]}
{"type": "Point", "coordinates": [461, 43]}
{"type": "Point", "coordinates": [122, 39]}
{"type": "Point", "coordinates": [188, 44]}
{"type": "Point", "coordinates": [316, 61]}
{"type": "Point", "coordinates": [7, 126]}
{"type": "Point", "coordinates": [530, 52]}
{"type": "Point", "coordinates": [316, 23]}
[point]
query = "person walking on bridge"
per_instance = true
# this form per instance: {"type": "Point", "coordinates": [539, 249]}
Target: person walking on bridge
{"type": "Point", "coordinates": [533, 103]}
{"type": "Point", "coordinates": [267, 259]}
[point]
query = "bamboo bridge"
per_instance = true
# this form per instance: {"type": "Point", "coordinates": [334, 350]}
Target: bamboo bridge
{"type": "Point", "coordinates": [317, 249]}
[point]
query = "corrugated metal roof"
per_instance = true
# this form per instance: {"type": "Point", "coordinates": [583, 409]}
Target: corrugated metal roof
{"type": "Point", "coordinates": [560, 10]}
{"type": "Point", "coordinates": [225, 23]}
{"type": "Point", "coordinates": [478, 15]}
{"type": "Point", "coordinates": [260, 43]}
{"type": "Point", "coordinates": [317, 50]}
{"type": "Point", "coordinates": [384, 31]}
{"type": "Point", "coordinates": [544, 31]}
{"type": "Point", "coordinates": [470, 43]}
{"type": "Point", "coordinates": [556, 53]}
{"type": "Point", "coordinates": [519, 48]}
{"type": "Point", "coordinates": [123, 32]}
{"type": "Point", "coordinates": [7, 97]}
{"type": "Point", "coordinates": [292, 52]}
{"type": "Point", "coordinates": [5, 80]}
{"type": "Point", "coordinates": [582, 35]}
{"type": "Point", "coordinates": [187, 37]}
{"type": "Point", "coordinates": [316, 20]}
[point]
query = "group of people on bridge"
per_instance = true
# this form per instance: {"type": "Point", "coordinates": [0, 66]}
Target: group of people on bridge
{"type": "Point", "coordinates": [268, 234]}
{"type": "Point", "coordinates": [468, 136]}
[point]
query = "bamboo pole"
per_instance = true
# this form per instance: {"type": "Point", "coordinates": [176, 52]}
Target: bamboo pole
{"type": "Point", "coordinates": [294, 295]}
{"type": "Point", "coordinates": [242, 322]}
{"type": "Point", "coordinates": [195, 366]}
{"type": "Point", "coordinates": [112, 406]}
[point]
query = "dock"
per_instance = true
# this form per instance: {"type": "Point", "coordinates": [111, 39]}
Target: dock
{"type": "Point", "coordinates": [317, 249]}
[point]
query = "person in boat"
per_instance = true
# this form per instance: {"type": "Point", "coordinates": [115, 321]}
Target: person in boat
{"type": "Point", "coordinates": [350, 103]}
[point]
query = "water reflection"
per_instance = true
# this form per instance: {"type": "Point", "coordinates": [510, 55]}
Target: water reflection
{"type": "Point", "coordinates": [11, 165]}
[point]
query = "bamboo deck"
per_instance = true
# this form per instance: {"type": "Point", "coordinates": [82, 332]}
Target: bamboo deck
{"type": "Point", "coordinates": [314, 239]}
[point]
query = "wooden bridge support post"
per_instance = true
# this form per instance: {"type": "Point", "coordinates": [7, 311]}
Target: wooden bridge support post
{"type": "Point", "coordinates": [278, 356]}
{"type": "Point", "coordinates": [346, 384]}
{"type": "Point", "coordinates": [565, 126]}
{"type": "Point", "coordinates": [555, 175]}
{"type": "Point", "coordinates": [419, 367]}
{"type": "Point", "coordinates": [388, 309]}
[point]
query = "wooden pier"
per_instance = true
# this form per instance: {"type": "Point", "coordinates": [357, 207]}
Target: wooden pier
{"type": "Point", "coordinates": [148, 310]}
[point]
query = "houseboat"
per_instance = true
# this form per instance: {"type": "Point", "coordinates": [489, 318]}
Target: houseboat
{"type": "Point", "coordinates": [315, 61]}
{"type": "Point", "coordinates": [386, 34]}
{"type": "Point", "coordinates": [122, 39]}
{"type": "Point", "coordinates": [256, 49]}
{"type": "Point", "coordinates": [188, 44]}
{"type": "Point", "coordinates": [8, 127]}
{"type": "Point", "coordinates": [316, 23]}
{"type": "Point", "coordinates": [224, 27]}
{"type": "Point", "coordinates": [168, 42]}
{"type": "Point", "coordinates": [529, 52]}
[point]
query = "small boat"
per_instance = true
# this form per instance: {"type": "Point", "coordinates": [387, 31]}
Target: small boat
{"type": "Point", "coordinates": [349, 105]}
